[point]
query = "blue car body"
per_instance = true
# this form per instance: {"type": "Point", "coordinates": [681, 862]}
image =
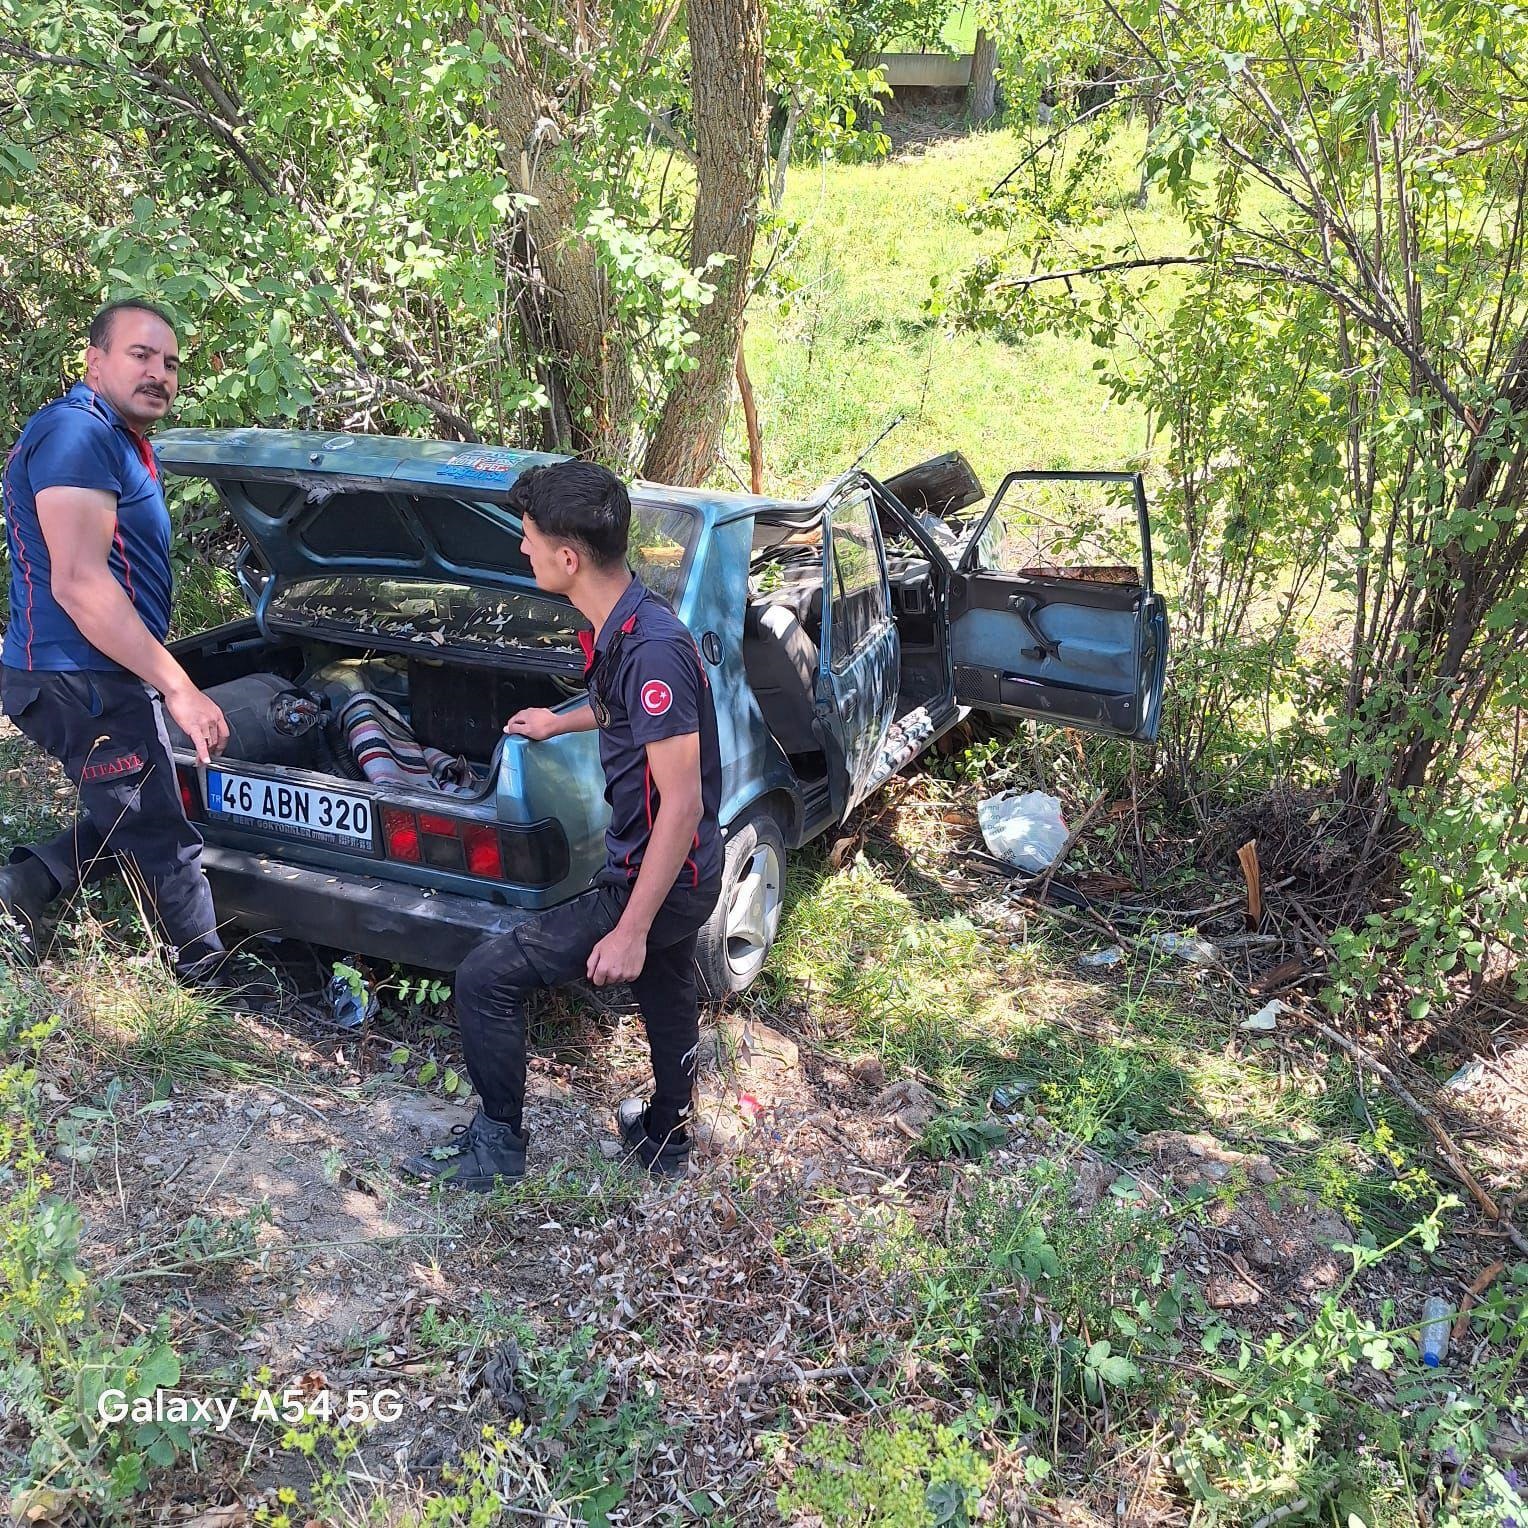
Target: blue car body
{"type": "Point", "coordinates": [886, 616]}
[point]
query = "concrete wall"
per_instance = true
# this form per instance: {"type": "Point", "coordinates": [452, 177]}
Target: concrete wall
{"type": "Point", "coordinates": [935, 70]}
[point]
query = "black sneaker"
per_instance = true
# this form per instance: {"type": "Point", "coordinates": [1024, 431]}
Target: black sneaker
{"type": "Point", "coordinates": [475, 1157]}
{"type": "Point", "coordinates": [26, 888]}
{"type": "Point", "coordinates": [667, 1158]}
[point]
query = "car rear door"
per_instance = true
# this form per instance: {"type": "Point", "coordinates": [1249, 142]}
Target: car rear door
{"type": "Point", "coordinates": [859, 652]}
{"type": "Point", "coordinates": [1052, 611]}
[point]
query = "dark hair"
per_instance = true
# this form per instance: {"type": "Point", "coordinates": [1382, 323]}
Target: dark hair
{"type": "Point", "coordinates": [581, 503]}
{"type": "Point", "coordinates": [101, 324]}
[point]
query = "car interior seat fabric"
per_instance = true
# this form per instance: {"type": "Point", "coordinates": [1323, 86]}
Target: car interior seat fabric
{"type": "Point", "coordinates": [780, 660]}
{"type": "Point", "coordinates": [799, 590]}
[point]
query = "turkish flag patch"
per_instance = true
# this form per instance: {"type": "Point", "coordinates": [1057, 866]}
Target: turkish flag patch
{"type": "Point", "coordinates": [656, 697]}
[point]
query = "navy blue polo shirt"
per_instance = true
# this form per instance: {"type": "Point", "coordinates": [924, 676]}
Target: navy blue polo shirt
{"type": "Point", "coordinates": [80, 441]}
{"type": "Point", "coordinates": [646, 683]}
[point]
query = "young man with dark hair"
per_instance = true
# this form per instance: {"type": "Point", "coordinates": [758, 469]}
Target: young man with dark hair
{"type": "Point", "coordinates": [650, 699]}
{"type": "Point", "coordinates": [85, 665]}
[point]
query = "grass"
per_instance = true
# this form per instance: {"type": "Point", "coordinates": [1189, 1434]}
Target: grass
{"type": "Point", "coordinates": [965, 1004]}
{"type": "Point", "coordinates": [137, 1022]}
{"type": "Point", "coordinates": [855, 345]}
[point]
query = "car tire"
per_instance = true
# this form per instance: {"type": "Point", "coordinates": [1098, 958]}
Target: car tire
{"type": "Point", "coordinates": [735, 940]}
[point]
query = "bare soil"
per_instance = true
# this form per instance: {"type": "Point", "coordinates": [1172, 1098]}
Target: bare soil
{"type": "Point", "coordinates": [706, 1290]}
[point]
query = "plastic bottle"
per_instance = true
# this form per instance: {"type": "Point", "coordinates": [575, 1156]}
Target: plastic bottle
{"type": "Point", "coordinates": [348, 1008]}
{"type": "Point", "coordinates": [1436, 1316]}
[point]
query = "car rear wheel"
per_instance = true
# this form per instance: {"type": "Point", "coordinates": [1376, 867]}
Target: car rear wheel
{"type": "Point", "coordinates": [735, 941]}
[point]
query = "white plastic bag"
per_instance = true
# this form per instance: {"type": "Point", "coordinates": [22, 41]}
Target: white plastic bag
{"type": "Point", "coordinates": [1026, 831]}
{"type": "Point", "coordinates": [1198, 952]}
{"type": "Point", "coordinates": [1267, 1017]}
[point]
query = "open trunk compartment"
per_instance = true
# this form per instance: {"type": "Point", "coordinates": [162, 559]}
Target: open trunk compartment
{"type": "Point", "coordinates": [266, 689]}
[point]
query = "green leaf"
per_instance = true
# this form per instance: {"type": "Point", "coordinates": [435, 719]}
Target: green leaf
{"type": "Point", "coordinates": [159, 1370]}
{"type": "Point", "coordinates": [1117, 1370]}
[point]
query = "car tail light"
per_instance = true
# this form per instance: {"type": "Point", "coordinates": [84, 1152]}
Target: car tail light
{"type": "Point", "coordinates": [190, 797]}
{"type": "Point", "coordinates": [534, 855]}
{"type": "Point", "coordinates": [484, 856]}
{"type": "Point", "coordinates": [401, 834]}
{"type": "Point", "coordinates": [442, 841]}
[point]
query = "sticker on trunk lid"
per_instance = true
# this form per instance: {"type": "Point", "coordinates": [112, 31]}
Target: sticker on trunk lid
{"type": "Point", "coordinates": [484, 465]}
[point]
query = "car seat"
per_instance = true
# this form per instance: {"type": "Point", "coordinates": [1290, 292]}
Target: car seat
{"type": "Point", "coordinates": [780, 661]}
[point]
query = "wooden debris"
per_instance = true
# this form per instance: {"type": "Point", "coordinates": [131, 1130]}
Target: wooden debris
{"type": "Point", "coordinates": [1471, 1295]}
{"type": "Point", "coordinates": [1446, 1144]}
{"type": "Point", "coordinates": [1253, 875]}
{"type": "Point", "coordinates": [1283, 975]}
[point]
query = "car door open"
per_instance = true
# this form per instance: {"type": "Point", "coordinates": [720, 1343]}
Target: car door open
{"type": "Point", "coordinates": [858, 659]}
{"type": "Point", "coordinates": [1052, 611]}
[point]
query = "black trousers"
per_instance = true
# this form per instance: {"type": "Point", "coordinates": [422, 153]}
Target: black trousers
{"type": "Point", "coordinates": [551, 949]}
{"type": "Point", "coordinates": [107, 730]}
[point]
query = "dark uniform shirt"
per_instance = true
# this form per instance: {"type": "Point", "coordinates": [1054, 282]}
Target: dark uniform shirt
{"type": "Point", "coordinates": [80, 441]}
{"type": "Point", "coordinates": [646, 683]}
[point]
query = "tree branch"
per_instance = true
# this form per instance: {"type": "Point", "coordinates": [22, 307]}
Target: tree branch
{"type": "Point", "coordinates": [1369, 317]}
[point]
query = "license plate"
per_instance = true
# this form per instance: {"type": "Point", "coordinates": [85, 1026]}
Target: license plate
{"type": "Point", "coordinates": [325, 817]}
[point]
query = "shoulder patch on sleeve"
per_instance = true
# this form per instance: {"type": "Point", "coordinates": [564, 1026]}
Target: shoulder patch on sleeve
{"type": "Point", "coordinates": [657, 696]}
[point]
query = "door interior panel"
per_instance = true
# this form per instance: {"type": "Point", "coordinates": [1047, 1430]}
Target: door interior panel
{"type": "Point", "coordinates": [1056, 643]}
{"type": "Point", "coordinates": [1081, 646]}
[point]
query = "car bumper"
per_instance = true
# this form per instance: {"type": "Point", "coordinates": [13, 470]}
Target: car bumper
{"type": "Point", "coordinates": [356, 912]}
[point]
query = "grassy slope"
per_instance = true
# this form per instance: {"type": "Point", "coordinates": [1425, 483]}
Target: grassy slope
{"type": "Point", "coordinates": [855, 347]}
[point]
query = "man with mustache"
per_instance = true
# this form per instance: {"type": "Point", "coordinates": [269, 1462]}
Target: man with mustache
{"type": "Point", "coordinates": [86, 673]}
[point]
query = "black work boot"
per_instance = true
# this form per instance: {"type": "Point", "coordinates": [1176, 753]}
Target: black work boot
{"type": "Point", "coordinates": [26, 888]}
{"type": "Point", "coordinates": [665, 1158]}
{"type": "Point", "coordinates": [475, 1158]}
{"type": "Point", "coordinates": [236, 976]}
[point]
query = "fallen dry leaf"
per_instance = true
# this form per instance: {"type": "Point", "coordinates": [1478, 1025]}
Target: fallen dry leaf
{"type": "Point", "coordinates": [233, 1515]}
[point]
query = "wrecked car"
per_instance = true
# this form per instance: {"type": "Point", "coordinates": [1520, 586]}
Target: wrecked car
{"type": "Point", "coordinates": [368, 798]}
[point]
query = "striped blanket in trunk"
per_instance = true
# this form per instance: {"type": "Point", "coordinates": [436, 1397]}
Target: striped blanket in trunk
{"type": "Point", "coordinates": [388, 753]}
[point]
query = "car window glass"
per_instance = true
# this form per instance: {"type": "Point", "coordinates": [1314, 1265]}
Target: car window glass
{"type": "Point", "coordinates": [1050, 528]}
{"type": "Point", "coordinates": [660, 538]}
{"type": "Point", "coordinates": [428, 612]}
{"type": "Point", "coordinates": [859, 594]}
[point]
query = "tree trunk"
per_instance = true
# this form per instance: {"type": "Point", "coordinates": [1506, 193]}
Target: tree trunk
{"type": "Point", "coordinates": [727, 90]}
{"type": "Point", "coordinates": [984, 77]}
{"type": "Point", "coordinates": [1153, 113]}
{"type": "Point", "coordinates": [533, 310]}
{"type": "Point", "coordinates": [596, 374]}
{"type": "Point", "coordinates": [1465, 588]}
